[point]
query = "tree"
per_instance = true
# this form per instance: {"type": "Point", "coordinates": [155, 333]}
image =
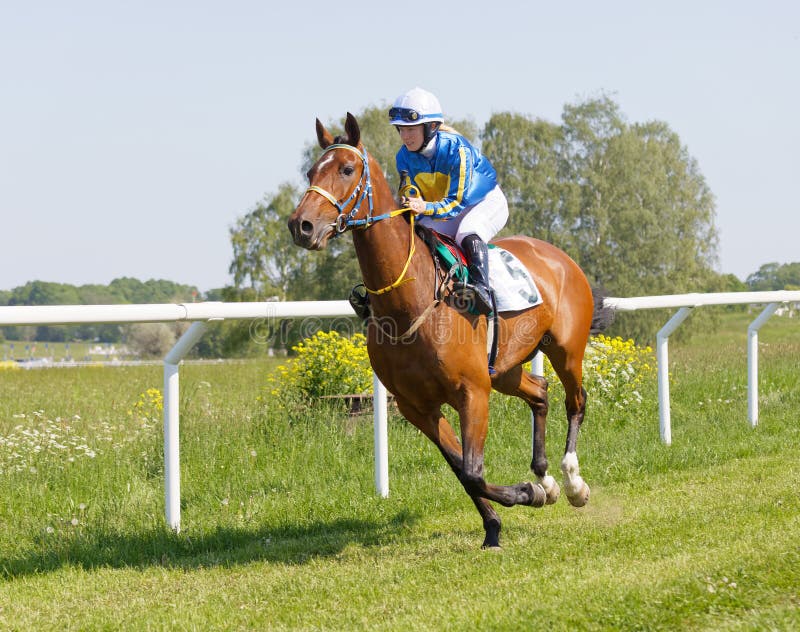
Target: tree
{"type": "Point", "coordinates": [775, 276]}
{"type": "Point", "coordinates": [44, 293]}
{"type": "Point", "coordinates": [150, 340]}
{"type": "Point", "coordinates": [534, 174]}
{"type": "Point", "coordinates": [264, 257]}
{"type": "Point", "coordinates": [123, 290]}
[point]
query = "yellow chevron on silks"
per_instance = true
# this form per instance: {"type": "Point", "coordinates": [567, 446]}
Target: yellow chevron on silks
{"type": "Point", "coordinates": [433, 186]}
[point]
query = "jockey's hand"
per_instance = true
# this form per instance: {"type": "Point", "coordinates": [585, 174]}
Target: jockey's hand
{"type": "Point", "coordinates": [417, 205]}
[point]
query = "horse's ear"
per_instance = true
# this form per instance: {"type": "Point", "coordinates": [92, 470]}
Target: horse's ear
{"type": "Point", "coordinates": [352, 130]}
{"type": "Point", "coordinates": [324, 137]}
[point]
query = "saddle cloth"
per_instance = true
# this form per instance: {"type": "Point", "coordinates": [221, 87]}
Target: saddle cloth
{"type": "Point", "coordinates": [514, 287]}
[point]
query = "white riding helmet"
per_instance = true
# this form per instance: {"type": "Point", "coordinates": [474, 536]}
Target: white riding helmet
{"type": "Point", "coordinates": [414, 107]}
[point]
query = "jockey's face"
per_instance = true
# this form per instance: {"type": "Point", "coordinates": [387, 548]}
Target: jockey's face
{"type": "Point", "coordinates": [412, 136]}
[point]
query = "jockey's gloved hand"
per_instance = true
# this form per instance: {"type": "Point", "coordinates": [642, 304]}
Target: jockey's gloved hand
{"type": "Point", "coordinates": [417, 205]}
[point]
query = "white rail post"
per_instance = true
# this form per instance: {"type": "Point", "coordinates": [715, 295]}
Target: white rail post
{"type": "Point", "coordinates": [662, 359]}
{"type": "Point", "coordinates": [380, 409]}
{"type": "Point", "coordinates": [172, 468]}
{"type": "Point", "coordinates": [752, 362]}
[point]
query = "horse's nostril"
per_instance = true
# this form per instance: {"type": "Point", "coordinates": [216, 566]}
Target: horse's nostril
{"type": "Point", "coordinates": [306, 228]}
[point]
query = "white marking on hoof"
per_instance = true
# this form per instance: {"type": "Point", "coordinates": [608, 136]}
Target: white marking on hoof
{"type": "Point", "coordinates": [550, 487]}
{"type": "Point", "coordinates": [546, 482]}
{"type": "Point", "coordinates": [581, 498]}
{"type": "Point", "coordinates": [573, 483]}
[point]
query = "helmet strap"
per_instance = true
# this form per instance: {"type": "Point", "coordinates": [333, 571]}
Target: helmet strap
{"type": "Point", "coordinates": [429, 131]}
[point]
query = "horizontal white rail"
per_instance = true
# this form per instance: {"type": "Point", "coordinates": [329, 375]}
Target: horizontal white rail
{"type": "Point", "coordinates": [700, 300]}
{"type": "Point", "coordinates": [159, 313]}
{"type": "Point", "coordinates": [687, 301]}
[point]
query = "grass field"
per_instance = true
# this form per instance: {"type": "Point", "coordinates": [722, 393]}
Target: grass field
{"type": "Point", "coordinates": [282, 528]}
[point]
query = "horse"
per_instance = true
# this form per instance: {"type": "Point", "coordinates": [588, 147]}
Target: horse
{"type": "Point", "coordinates": [441, 358]}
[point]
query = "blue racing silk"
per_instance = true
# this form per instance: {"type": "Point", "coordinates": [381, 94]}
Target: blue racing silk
{"type": "Point", "coordinates": [456, 177]}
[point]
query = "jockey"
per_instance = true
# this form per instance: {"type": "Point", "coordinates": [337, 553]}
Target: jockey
{"type": "Point", "coordinates": [459, 196]}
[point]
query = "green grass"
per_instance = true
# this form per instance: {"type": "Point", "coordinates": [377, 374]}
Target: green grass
{"type": "Point", "coordinates": [282, 528]}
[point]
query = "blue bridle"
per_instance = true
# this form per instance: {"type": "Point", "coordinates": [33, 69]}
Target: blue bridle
{"type": "Point", "coordinates": [362, 191]}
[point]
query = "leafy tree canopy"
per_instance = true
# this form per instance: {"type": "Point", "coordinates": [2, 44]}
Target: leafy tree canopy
{"type": "Point", "coordinates": [775, 276]}
{"type": "Point", "coordinates": [122, 290]}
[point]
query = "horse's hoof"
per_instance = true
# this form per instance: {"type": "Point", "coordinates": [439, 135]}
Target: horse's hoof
{"type": "Point", "coordinates": [491, 541]}
{"type": "Point", "coordinates": [581, 498]}
{"type": "Point", "coordinates": [491, 547]}
{"type": "Point", "coordinates": [553, 493]}
{"type": "Point", "coordinates": [538, 495]}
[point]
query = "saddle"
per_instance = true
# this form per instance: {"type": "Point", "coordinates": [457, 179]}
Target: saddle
{"type": "Point", "coordinates": [450, 261]}
{"type": "Point", "coordinates": [445, 251]}
{"type": "Point", "coordinates": [451, 265]}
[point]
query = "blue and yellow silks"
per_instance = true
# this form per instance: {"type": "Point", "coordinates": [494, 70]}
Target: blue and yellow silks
{"type": "Point", "coordinates": [456, 177]}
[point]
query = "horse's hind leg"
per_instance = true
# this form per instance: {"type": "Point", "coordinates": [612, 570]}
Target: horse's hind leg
{"type": "Point", "coordinates": [569, 368]}
{"type": "Point", "coordinates": [436, 427]}
{"type": "Point", "coordinates": [533, 390]}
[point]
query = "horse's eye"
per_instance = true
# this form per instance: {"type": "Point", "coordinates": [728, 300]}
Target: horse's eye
{"type": "Point", "coordinates": [308, 175]}
{"type": "Point", "coordinates": [348, 170]}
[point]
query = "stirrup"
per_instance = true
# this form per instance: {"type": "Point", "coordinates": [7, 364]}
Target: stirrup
{"type": "Point", "coordinates": [359, 301]}
{"type": "Point", "coordinates": [468, 297]}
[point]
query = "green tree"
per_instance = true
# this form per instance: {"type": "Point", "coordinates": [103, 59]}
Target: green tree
{"type": "Point", "coordinates": [44, 293]}
{"type": "Point", "coordinates": [124, 290]}
{"type": "Point", "coordinates": [130, 290]}
{"type": "Point", "coordinates": [535, 175]}
{"type": "Point", "coordinates": [775, 276]}
{"type": "Point", "coordinates": [264, 257]}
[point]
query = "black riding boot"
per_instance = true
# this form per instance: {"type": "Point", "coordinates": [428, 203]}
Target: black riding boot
{"type": "Point", "coordinates": [476, 291]}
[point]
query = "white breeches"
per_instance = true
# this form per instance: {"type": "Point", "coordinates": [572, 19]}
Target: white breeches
{"type": "Point", "coordinates": [485, 219]}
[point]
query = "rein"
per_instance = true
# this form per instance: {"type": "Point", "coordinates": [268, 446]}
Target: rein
{"type": "Point", "coordinates": [346, 220]}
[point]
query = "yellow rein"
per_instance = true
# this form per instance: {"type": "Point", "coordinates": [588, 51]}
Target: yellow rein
{"type": "Point", "coordinates": [400, 280]}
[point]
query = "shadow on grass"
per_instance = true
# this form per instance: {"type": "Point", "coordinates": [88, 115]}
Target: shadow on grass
{"type": "Point", "coordinates": [223, 547]}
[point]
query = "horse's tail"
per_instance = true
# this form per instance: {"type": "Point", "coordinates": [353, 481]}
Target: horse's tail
{"type": "Point", "coordinates": [603, 315]}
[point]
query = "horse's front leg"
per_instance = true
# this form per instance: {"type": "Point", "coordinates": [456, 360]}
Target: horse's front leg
{"type": "Point", "coordinates": [436, 427]}
{"type": "Point", "coordinates": [533, 390]}
{"type": "Point", "coordinates": [474, 416]}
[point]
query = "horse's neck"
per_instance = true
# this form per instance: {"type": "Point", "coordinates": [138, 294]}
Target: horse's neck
{"type": "Point", "coordinates": [383, 250]}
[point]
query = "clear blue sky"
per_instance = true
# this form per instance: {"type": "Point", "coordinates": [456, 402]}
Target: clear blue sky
{"type": "Point", "coordinates": [132, 135]}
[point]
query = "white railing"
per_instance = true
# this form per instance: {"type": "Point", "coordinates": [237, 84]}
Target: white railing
{"type": "Point", "coordinates": [685, 303]}
{"type": "Point", "coordinates": [201, 313]}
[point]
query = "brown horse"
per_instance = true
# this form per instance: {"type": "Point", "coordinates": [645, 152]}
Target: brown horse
{"type": "Point", "coordinates": [427, 353]}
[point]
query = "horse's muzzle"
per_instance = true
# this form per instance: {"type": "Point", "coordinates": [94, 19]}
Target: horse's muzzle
{"type": "Point", "coordinates": [306, 235]}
